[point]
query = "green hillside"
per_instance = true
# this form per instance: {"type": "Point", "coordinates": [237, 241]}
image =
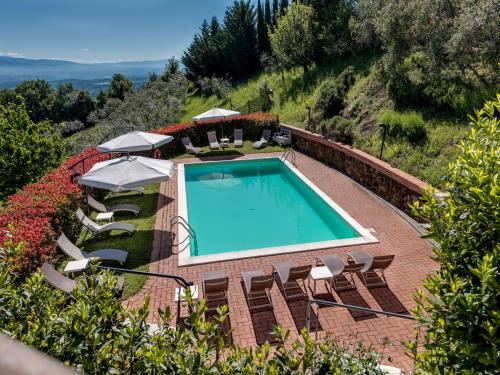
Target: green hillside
{"type": "Point", "coordinates": [294, 90]}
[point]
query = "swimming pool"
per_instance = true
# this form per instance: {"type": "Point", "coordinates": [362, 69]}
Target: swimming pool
{"type": "Point", "coordinates": [257, 207]}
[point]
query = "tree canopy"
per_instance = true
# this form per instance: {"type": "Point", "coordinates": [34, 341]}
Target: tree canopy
{"type": "Point", "coordinates": [119, 86]}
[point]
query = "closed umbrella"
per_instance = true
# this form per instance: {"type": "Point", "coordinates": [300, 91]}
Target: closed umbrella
{"type": "Point", "coordinates": [126, 173]}
{"type": "Point", "coordinates": [135, 141]}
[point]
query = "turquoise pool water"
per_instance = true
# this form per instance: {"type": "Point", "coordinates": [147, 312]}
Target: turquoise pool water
{"type": "Point", "coordinates": [250, 204]}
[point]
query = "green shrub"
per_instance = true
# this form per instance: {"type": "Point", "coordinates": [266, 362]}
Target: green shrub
{"type": "Point", "coordinates": [93, 332]}
{"type": "Point", "coordinates": [407, 125]}
{"type": "Point", "coordinates": [460, 309]}
{"type": "Point", "coordinates": [338, 128]}
{"type": "Point", "coordinates": [332, 93]}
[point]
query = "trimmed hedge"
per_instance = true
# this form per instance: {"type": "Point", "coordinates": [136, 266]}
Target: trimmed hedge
{"type": "Point", "coordinates": [39, 212]}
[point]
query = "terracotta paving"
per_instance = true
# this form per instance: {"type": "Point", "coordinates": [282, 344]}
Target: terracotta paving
{"type": "Point", "coordinates": [396, 236]}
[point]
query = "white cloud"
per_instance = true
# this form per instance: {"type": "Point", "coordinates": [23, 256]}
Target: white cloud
{"type": "Point", "coordinates": [84, 50]}
{"type": "Point", "coordinates": [14, 54]}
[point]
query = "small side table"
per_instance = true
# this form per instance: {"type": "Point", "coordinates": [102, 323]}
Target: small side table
{"type": "Point", "coordinates": [105, 216]}
{"type": "Point", "coordinates": [224, 142]}
{"type": "Point", "coordinates": [318, 274]}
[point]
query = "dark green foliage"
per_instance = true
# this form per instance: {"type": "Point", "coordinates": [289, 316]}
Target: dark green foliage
{"type": "Point", "coordinates": [337, 128]}
{"type": "Point", "coordinates": [101, 99]}
{"type": "Point", "coordinates": [119, 86]}
{"type": "Point", "coordinates": [38, 97]}
{"type": "Point", "coordinates": [70, 104]}
{"type": "Point", "coordinates": [95, 333]}
{"type": "Point", "coordinates": [330, 100]}
{"type": "Point", "coordinates": [227, 51]}
{"type": "Point", "coordinates": [460, 309]}
{"type": "Point", "coordinates": [267, 13]}
{"type": "Point", "coordinates": [27, 149]}
{"type": "Point", "coordinates": [275, 12]}
{"type": "Point", "coordinates": [171, 68]}
{"type": "Point", "coordinates": [331, 28]}
{"type": "Point", "coordinates": [262, 36]}
{"type": "Point", "coordinates": [283, 7]}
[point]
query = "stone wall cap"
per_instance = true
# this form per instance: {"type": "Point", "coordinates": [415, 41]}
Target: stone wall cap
{"type": "Point", "coordinates": [404, 178]}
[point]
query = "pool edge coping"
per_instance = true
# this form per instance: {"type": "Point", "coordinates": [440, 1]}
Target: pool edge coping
{"type": "Point", "coordinates": [185, 258]}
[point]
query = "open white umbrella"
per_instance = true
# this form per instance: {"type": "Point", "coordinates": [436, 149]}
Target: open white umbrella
{"type": "Point", "coordinates": [135, 141]}
{"type": "Point", "coordinates": [215, 113]}
{"type": "Point", "coordinates": [126, 173]}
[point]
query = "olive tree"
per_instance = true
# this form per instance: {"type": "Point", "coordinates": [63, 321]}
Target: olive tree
{"type": "Point", "coordinates": [292, 40]}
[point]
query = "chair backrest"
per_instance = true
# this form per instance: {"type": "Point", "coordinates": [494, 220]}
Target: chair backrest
{"type": "Point", "coordinates": [69, 248]}
{"type": "Point", "coordinates": [299, 273]}
{"type": "Point", "coordinates": [186, 142]}
{"type": "Point", "coordinates": [98, 206]}
{"type": "Point", "coordinates": [266, 134]}
{"type": "Point", "coordinates": [216, 285]}
{"type": "Point", "coordinates": [381, 262]}
{"type": "Point", "coordinates": [86, 222]}
{"type": "Point", "coordinates": [353, 267]}
{"type": "Point", "coordinates": [334, 263]}
{"type": "Point", "coordinates": [261, 283]}
{"type": "Point", "coordinates": [238, 134]}
{"type": "Point", "coordinates": [212, 138]}
{"type": "Point", "coordinates": [286, 132]}
{"type": "Point", "coordinates": [56, 279]}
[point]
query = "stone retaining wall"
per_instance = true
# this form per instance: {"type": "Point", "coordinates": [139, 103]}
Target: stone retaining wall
{"type": "Point", "coordinates": [392, 184]}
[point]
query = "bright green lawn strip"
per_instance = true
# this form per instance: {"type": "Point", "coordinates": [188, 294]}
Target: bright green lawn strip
{"type": "Point", "coordinates": [240, 151]}
{"type": "Point", "coordinates": [139, 244]}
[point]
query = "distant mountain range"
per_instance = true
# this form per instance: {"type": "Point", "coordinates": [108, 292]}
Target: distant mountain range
{"type": "Point", "coordinates": [92, 77]}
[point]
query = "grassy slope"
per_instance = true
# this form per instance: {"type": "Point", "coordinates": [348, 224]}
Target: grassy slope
{"type": "Point", "coordinates": [294, 90]}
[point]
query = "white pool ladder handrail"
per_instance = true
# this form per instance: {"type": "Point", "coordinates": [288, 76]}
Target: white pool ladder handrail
{"type": "Point", "coordinates": [288, 153]}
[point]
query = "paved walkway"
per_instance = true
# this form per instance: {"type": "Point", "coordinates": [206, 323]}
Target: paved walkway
{"type": "Point", "coordinates": [396, 236]}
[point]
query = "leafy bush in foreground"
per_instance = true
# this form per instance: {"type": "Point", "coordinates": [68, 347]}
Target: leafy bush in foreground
{"type": "Point", "coordinates": [93, 332]}
{"type": "Point", "coordinates": [461, 308]}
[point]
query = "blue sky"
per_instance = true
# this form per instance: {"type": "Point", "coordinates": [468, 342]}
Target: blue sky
{"type": "Point", "coordinates": [102, 30]}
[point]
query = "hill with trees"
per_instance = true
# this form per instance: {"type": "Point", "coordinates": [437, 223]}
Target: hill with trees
{"type": "Point", "coordinates": [416, 68]}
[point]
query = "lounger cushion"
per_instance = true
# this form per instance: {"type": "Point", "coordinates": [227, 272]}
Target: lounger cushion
{"type": "Point", "coordinates": [110, 254]}
{"type": "Point", "coordinates": [247, 278]}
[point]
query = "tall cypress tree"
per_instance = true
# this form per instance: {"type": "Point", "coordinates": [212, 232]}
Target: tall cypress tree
{"type": "Point", "coordinates": [267, 13]}
{"type": "Point", "coordinates": [276, 12]}
{"type": "Point", "coordinates": [262, 37]}
{"type": "Point", "coordinates": [283, 7]}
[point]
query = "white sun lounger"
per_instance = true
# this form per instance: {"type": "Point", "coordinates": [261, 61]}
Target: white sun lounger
{"type": "Point", "coordinates": [95, 228]}
{"type": "Point", "coordinates": [238, 138]}
{"type": "Point", "coordinates": [101, 207]}
{"type": "Point", "coordinates": [264, 140]}
{"type": "Point", "coordinates": [212, 140]}
{"type": "Point", "coordinates": [190, 148]}
{"type": "Point", "coordinates": [71, 250]}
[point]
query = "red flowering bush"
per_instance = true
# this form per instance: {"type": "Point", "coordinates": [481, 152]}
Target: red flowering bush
{"type": "Point", "coordinates": [36, 213]}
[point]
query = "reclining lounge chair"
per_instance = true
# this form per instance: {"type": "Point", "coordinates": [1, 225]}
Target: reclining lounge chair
{"type": "Point", "coordinates": [98, 206]}
{"type": "Point", "coordinates": [190, 149]}
{"type": "Point", "coordinates": [292, 278]}
{"type": "Point", "coordinates": [266, 134]}
{"type": "Point", "coordinates": [95, 228]}
{"type": "Point", "coordinates": [76, 253]}
{"type": "Point", "coordinates": [342, 274]}
{"type": "Point", "coordinates": [372, 273]}
{"type": "Point", "coordinates": [257, 286]}
{"type": "Point", "coordinates": [238, 138]}
{"type": "Point", "coordinates": [215, 286]}
{"type": "Point", "coordinates": [212, 140]}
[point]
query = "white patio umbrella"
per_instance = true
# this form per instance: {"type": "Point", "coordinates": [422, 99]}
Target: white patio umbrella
{"type": "Point", "coordinates": [126, 173]}
{"type": "Point", "coordinates": [215, 113]}
{"type": "Point", "coordinates": [135, 141]}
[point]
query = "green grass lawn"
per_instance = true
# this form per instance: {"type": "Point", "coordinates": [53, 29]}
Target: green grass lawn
{"type": "Point", "coordinates": [231, 150]}
{"type": "Point", "coordinates": [138, 245]}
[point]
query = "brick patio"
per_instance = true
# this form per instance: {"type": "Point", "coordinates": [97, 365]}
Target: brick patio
{"type": "Point", "coordinates": [395, 234]}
